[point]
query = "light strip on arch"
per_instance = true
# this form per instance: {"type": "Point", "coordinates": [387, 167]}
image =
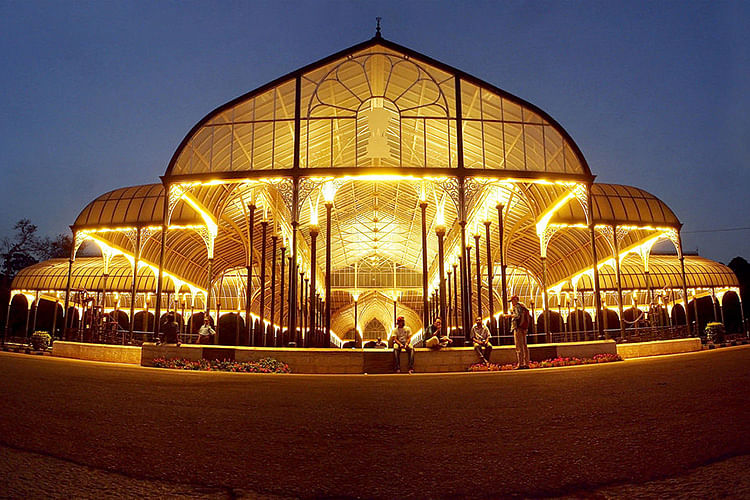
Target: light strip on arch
{"type": "Point", "coordinates": [154, 268]}
{"type": "Point", "coordinates": [610, 260]}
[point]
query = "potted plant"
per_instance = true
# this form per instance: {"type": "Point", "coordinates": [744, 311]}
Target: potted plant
{"type": "Point", "coordinates": [40, 340]}
{"type": "Point", "coordinates": [715, 332]}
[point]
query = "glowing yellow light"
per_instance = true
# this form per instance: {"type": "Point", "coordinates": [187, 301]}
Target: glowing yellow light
{"type": "Point", "coordinates": [329, 191]}
{"type": "Point", "coordinates": [313, 212]}
{"type": "Point", "coordinates": [541, 225]}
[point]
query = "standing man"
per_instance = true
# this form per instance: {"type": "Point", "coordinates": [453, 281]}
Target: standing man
{"type": "Point", "coordinates": [480, 336]}
{"type": "Point", "coordinates": [205, 332]}
{"type": "Point", "coordinates": [520, 322]}
{"type": "Point", "coordinates": [401, 336]}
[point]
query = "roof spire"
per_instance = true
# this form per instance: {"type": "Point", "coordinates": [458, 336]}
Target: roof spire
{"type": "Point", "coordinates": [377, 27]}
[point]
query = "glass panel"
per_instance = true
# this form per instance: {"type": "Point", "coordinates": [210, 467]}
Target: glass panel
{"type": "Point", "coordinates": [473, 144]}
{"type": "Point", "coordinates": [221, 148]}
{"type": "Point", "coordinates": [514, 156]}
{"type": "Point", "coordinates": [493, 145]}
{"type": "Point", "coordinates": [553, 143]}
{"type": "Point", "coordinates": [571, 160]}
{"type": "Point", "coordinates": [438, 151]}
{"type": "Point", "coordinates": [242, 146]}
{"type": "Point", "coordinates": [263, 146]}
{"type": "Point", "coordinates": [319, 143]}
{"type": "Point", "coordinates": [491, 107]}
{"type": "Point", "coordinates": [202, 150]}
{"type": "Point", "coordinates": [264, 106]}
{"type": "Point", "coordinates": [511, 111]}
{"type": "Point", "coordinates": [222, 118]}
{"type": "Point", "coordinates": [534, 148]}
{"type": "Point", "coordinates": [412, 142]}
{"type": "Point", "coordinates": [470, 100]}
{"type": "Point", "coordinates": [531, 117]}
{"type": "Point", "coordinates": [283, 152]}
{"type": "Point", "coordinates": [344, 140]}
{"type": "Point", "coordinates": [285, 100]}
{"type": "Point", "coordinates": [243, 112]}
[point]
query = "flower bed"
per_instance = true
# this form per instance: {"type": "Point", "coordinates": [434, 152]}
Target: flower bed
{"type": "Point", "coordinates": [548, 363]}
{"type": "Point", "coordinates": [265, 365]}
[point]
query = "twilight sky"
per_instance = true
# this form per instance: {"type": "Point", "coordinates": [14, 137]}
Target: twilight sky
{"type": "Point", "coordinates": [97, 95]}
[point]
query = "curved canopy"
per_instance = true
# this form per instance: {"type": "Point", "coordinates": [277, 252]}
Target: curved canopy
{"type": "Point", "coordinates": [620, 205]}
{"type": "Point", "coordinates": [136, 206]}
{"type": "Point", "coordinates": [87, 274]}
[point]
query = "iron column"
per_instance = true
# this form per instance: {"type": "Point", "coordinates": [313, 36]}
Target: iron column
{"type": "Point", "coordinates": [327, 339]}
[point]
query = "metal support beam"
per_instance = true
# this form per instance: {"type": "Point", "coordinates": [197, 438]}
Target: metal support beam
{"type": "Point", "coordinates": [133, 289]}
{"type": "Point", "coordinates": [249, 284]}
{"type": "Point", "coordinates": [597, 295]}
{"type": "Point", "coordinates": [616, 247]}
{"type": "Point", "coordinates": [327, 339]}
{"type": "Point", "coordinates": [282, 298]}
{"type": "Point", "coordinates": [425, 311]}
{"type": "Point", "coordinates": [160, 277]}
{"type": "Point", "coordinates": [479, 274]}
{"type": "Point", "coordinates": [262, 284]}
{"type": "Point", "coordinates": [312, 293]}
{"type": "Point", "coordinates": [490, 275]}
{"type": "Point", "coordinates": [440, 231]}
{"type": "Point", "coordinates": [274, 242]}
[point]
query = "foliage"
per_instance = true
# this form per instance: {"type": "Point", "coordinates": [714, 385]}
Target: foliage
{"type": "Point", "coordinates": [715, 332]}
{"type": "Point", "coordinates": [26, 247]}
{"type": "Point", "coordinates": [548, 363]}
{"type": "Point", "coordinates": [40, 340]}
{"type": "Point", "coordinates": [265, 365]}
{"type": "Point", "coordinates": [742, 269]}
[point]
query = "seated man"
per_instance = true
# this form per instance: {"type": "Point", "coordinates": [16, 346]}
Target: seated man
{"type": "Point", "coordinates": [401, 336]}
{"type": "Point", "coordinates": [205, 332]}
{"type": "Point", "coordinates": [379, 344]}
{"type": "Point", "coordinates": [171, 330]}
{"type": "Point", "coordinates": [435, 339]}
{"type": "Point", "coordinates": [480, 337]}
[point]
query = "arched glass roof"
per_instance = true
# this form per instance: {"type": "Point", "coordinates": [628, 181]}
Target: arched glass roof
{"type": "Point", "coordinates": [379, 105]}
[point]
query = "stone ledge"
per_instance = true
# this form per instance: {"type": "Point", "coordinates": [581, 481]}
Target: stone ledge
{"type": "Point", "coordinates": [658, 348]}
{"type": "Point", "coordinates": [97, 352]}
{"type": "Point", "coordinates": [352, 361]}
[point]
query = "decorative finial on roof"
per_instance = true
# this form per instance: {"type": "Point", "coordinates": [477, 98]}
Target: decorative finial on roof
{"type": "Point", "coordinates": [377, 27]}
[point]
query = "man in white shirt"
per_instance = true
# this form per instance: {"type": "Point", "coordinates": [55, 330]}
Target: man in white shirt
{"type": "Point", "coordinates": [480, 337]}
{"type": "Point", "coordinates": [401, 336]}
{"type": "Point", "coordinates": [205, 332]}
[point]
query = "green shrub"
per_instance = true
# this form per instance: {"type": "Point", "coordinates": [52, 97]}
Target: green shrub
{"type": "Point", "coordinates": [41, 340]}
{"type": "Point", "coordinates": [715, 332]}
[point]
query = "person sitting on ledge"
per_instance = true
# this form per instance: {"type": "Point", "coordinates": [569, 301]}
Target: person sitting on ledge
{"type": "Point", "coordinates": [435, 339]}
{"type": "Point", "coordinates": [171, 330]}
{"type": "Point", "coordinates": [205, 332]}
{"type": "Point", "coordinates": [401, 336]}
{"type": "Point", "coordinates": [480, 337]}
{"type": "Point", "coordinates": [379, 344]}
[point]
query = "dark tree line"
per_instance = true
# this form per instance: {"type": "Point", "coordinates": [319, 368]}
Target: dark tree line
{"type": "Point", "coordinates": [742, 269]}
{"type": "Point", "coordinates": [23, 248]}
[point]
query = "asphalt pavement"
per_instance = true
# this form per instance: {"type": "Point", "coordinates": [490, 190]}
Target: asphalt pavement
{"type": "Point", "coordinates": [75, 428]}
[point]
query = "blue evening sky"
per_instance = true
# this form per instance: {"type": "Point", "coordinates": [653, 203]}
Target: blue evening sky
{"type": "Point", "coordinates": [97, 95]}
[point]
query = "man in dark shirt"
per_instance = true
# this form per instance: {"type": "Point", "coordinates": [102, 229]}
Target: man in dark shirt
{"type": "Point", "coordinates": [171, 330]}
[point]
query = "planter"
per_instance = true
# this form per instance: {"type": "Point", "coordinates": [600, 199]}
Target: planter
{"type": "Point", "coordinates": [41, 341]}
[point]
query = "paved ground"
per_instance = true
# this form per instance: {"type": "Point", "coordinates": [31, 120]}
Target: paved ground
{"type": "Point", "coordinates": [661, 426]}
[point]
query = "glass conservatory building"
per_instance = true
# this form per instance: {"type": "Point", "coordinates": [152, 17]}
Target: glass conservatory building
{"type": "Point", "coordinates": [376, 183]}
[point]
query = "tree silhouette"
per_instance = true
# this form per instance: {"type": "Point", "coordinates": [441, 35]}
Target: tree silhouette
{"type": "Point", "coordinates": [742, 269]}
